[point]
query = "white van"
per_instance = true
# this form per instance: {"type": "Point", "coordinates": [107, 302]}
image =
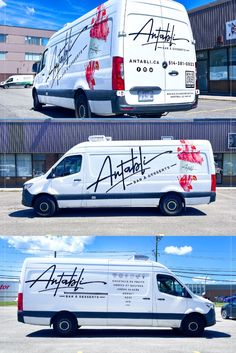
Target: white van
{"type": "Point", "coordinates": [125, 56]}
{"type": "Point", "coordinates": [18, 81]}
{"type": "Point", "coordinates": [69, 293]}
{"type": "Point", "coordinates": [171, 174]}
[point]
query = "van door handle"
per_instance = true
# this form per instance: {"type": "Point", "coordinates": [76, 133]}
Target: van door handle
{"type": "Point", "coordinates": [146, 298]}
{"type": "Point", "coordinates": [161, 299]}
{"type": "Point", "coordinates": [173, 73]}
{"type": "Point", "coordinates": [77, 179]}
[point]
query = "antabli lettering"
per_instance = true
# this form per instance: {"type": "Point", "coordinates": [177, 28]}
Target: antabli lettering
{"type": "Point", "coordinates": [144, 61]}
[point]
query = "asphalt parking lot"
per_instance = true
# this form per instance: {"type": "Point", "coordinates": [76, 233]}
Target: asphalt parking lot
{"type": "Point", "coordinates": [20, 338]}
{"type": "Point", "coordinates": [17, 103]}
{"type": "Point", "coordinates": [218, 218]}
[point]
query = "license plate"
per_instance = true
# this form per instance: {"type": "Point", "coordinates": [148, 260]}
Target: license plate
{"type": "Point", "coordinates": [145, 96]}
{"type": "Point", "coordinates": [189, 79]}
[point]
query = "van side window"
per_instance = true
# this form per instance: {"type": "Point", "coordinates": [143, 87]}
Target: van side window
{"type": "Point", "coordinates": [9, 80]}
{"type": "Point", "coordinates": [68, 166]}
{"type": "Point", "coordinates": [43, 60]}
{"type": "Point", "coordinates": [169, 285]}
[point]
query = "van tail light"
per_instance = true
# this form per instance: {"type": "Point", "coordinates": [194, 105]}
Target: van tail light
{"type": "Point", "coordinates": [20, 301]}
{"type": "Point", "coordinates": [213, 183]}
{"type": "Point", "coordinates": [118, 82]}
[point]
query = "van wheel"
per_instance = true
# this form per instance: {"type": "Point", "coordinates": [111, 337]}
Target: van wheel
{"type": "Point", "coordinates": [45, 206]}
{"type": "Point", "coordinates": [224, 314]}
{"type": "Point", "coordinates": [82, 109]}
{"type": "Point", "coordinates": [171, 205]}
{"type": "Point", "coordinates": [37, 105]}
{"type": "Point", "coordinates": [193, 326]}
{"type": "Point", "coordinates": [65, 325]}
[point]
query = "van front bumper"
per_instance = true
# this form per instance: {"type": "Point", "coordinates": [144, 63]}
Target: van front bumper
{"type": "Point", "coordinates": [210, 317]}
{"type": "Point", "coordinates": [27, 198]}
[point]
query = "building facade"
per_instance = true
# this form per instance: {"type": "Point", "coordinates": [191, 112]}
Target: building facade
{"type": "Point", "coordinates": [20, 47]}
{"type": "Point", "coordinates": [28, 148]}
{"type": "Point", "coordinates": [214, 30]}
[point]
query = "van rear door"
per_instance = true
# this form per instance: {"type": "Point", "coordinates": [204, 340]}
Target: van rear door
{"type": "Point", "coordinates": [159, 54]}
{"type": "Point", "coordinates": [143, 53]}
{"type": "Point", "coordinates": [179, 54]}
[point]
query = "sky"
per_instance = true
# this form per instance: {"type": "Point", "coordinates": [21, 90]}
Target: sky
{"type": "Point", "coordinates": [51, 14]}
{"type": "Point", "coordinates": [199, 259]}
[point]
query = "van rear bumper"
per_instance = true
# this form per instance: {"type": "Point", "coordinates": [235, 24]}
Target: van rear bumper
{"type": "Point", "coordinates": [20, 316]}
{"type": "Point", "coordinates": [119, 106]}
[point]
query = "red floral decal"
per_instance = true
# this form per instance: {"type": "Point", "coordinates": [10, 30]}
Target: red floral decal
{"type": "Point", "coordinates": [185, 182]}
{"type": "Point", "coordinates": [189, 153]}
{"type": "Point", "coordinates": [100, 29]}
{"type": "Point", "coordinates": [90, 71]}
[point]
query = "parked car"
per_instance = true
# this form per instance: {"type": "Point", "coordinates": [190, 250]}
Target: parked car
{"type": "Point", "coordinates": [229, 299]}
{"type": "Point", "coordinates": [229, 310]}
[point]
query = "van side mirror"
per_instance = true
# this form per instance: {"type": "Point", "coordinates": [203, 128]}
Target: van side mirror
{"type": "Point", "coordinates": [36, 67]}
{"type": "Point", "coordinates": [52, 175]}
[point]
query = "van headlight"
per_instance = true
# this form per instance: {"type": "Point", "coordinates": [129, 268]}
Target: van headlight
{"type": "Point", "coordinates": [210, 305]}
{"type": "Point", "coordinates": [27, 186]}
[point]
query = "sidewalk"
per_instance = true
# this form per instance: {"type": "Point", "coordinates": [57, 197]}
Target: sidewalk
{"type": "Point", "coordinates": [218, 98]}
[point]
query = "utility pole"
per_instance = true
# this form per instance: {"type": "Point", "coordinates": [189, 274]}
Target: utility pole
{"type": "Point", "coordinates": [157, 240]}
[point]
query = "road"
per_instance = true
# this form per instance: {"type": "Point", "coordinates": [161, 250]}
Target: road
{"type": "Point", "coordinates": [20, 338]}
{"type": "Point", "coordinates": [218, 218]}
{"type": "Point", "coordinates": [17, 103]}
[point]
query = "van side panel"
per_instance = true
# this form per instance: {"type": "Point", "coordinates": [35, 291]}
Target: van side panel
{"type": "Point", "coordinates": [130, 296]}
{"type": "Point", "coordinates": [68, 287]}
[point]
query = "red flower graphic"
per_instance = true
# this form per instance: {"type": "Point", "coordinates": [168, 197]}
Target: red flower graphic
{"type": "Point", "coordinates": [100, 29]}
{"type": "Point", "coordinates": [185, 182]}
{"type": "Point", "coordinates": [189, 153]}
{"type": "Point", "coordinates": [90, 71]}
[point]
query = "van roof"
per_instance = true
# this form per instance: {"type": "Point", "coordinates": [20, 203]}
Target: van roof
{"type": "Point", "coordinates": [96, 261]}
{"type": "Point", "coordinates": [136, 143]}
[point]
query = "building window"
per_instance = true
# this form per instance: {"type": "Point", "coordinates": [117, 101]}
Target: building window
{"type": "Point", "coordinates": [218, 65]}
{"type": "Point", "coordinates": [232, 63]}
{"type": "Point", "coordinates": [7, 165]}
{"type": "Point", "coordinates": [36, 40]}
{"type": "Point", "coordinates": [39, 164]}
{"type": "Point", "coordinates": [3, 55]}
{"type": "Point", "coordinates": [23, 165]}
{"type": "Point", "coordinates": [3, 38]}
{"type": "Point", "coordinates": [229, 166]}
{"type": "Point", "coordinates": [33, 56]}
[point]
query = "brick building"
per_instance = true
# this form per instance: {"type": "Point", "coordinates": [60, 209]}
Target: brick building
{"type": "Point", "coordinates": [20, 47]}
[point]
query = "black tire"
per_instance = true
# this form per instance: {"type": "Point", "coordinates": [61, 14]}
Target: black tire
{"type": "Point", "coordinates": [224, 314]}
{"type": "Point", "coordinates": [65, 325]}
{"type": "Point", "coordinates": [36, 104]}
{"type": "Point", "coordinates": [82, 109]}
{"type": "Point", "coordinates": [45, 206]}
{"type": "Point", "coordinates": [171, 205]}
{"type": "Point", "coordinates": [193, 326]}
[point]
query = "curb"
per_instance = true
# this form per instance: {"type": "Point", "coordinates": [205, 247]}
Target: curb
{"type": "Point", "coordinates": [218, 98]}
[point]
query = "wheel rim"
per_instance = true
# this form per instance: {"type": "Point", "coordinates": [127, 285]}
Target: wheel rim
{"type": "Point", "coordinates": [82, 111]}
{"type": "Point", "coordinates": [64, 325]}
{"type": "Point", "coordinates": [193, 326]}
{"type": "Point", "coordinates": [44, 207]}
{"type": "Point", "coordinates": [224, 314]}
{"type": "Point", "coordinates": [171, 205]}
